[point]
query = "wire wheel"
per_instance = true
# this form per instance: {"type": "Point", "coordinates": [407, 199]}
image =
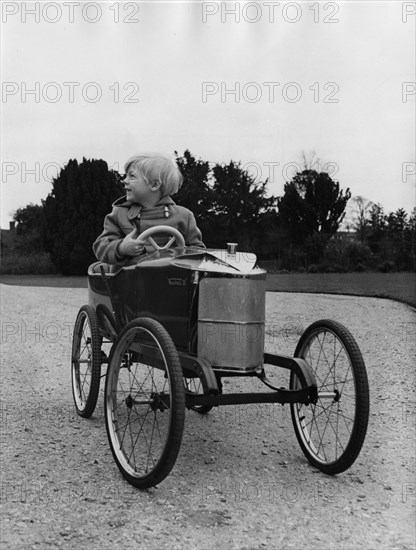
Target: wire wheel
{"type": "Point", "coordinates": [331, 432]}
{"type": "Point", "coordinates": [86, 361]}
{"type": "Point", "coordinates": [144, 403]}
{"type": "Point", "coordinates": [194, 385]}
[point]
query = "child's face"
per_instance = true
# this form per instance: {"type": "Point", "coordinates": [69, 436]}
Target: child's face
{"type": "Point", "coordinates": [137, 189]}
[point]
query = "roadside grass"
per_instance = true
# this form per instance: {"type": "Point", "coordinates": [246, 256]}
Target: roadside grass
{"type": "Point", "coordinates": [59, 281]}
{"type": "Point", "coordinates": [14, 263]}
{"type": "Point", "coordinates": [396, 286]}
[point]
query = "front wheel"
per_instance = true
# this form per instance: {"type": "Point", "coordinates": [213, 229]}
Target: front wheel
{"type": "Point", "coordinates": [194, 386]}
{"type": "Point", "coordinates": [144, 403]}
{"type": "Point", "coordinates": [331, 432]}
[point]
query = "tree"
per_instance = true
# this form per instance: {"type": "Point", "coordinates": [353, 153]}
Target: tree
{"type": "Point", "coordinates": [195, 193]}
{"type": "Point", "coordinates": [74, 211]}
{"type": "Point", "coordinates": [377, 219]}
{"type": "Point", "coordinates": [397, 223]}
{"type": "Point", "coordinates": [30, 223]}
{"type": "Point", "coordinates": [376, 235]}
{"type": "Point", "coordinates": [392, 237]}
{"type": "Point", "coordinates": [310, 161]}
{"type": "Point", "coordinates": [28, 218]}
{"type": "Point", "coordinates": [361, 216]}
{"type": "Point", "coordinates": [312, 203]}
{"type": "Point", "coordinates": [397, 231]}
{"type": "Point", "coordinates": [227, 203]}
{"type": "Point", "coordinates": [412, 220]}
{"type": "Point", "coordinates": [411, 239]}
{"type": "Point", "coordinates": [240, 205]}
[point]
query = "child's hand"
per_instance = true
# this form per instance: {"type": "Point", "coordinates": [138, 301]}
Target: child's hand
{"type": "Point", "coordinates": [131, 245]}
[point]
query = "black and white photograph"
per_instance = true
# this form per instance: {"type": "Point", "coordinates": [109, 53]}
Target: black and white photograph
{"type": "Point", "coordinates": [208, 275]}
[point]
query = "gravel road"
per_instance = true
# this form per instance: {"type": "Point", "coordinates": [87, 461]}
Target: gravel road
{"type": "Point", "coordinates": [240, 481]}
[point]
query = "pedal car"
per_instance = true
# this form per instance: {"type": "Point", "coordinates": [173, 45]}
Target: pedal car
{"type": "Point", "coordinates": [176, 323]}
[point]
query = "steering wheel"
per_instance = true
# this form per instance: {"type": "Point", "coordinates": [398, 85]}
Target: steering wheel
{"type": "Point", "coordinates": [176, 237]}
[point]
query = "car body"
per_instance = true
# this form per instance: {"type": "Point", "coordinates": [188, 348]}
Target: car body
{"type": "Point", "coordinates": [211, 302]}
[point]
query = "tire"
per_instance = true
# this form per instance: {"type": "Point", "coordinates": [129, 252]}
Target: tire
{"type": "Point", "coordinates": [194, 385]}
{"type": "Point", "coordinates": [332, 431]}
{"type": "Point", "coordinates": [144, 403]}
{"type": "Point", "coordinates": [86, 361]}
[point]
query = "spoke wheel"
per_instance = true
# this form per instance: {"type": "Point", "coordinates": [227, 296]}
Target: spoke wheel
{"type": "Point", "coordinates": [332, 431]}
{"type": "Point", "coordinates": [194, 385]}
{"type": "Point", "coordinates": [86, 361]}
{"type": "Point", "coordinates": [144, 403]}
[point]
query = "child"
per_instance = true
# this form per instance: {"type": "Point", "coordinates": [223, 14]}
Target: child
{"type": "Point", "coordinates": [149, 182]}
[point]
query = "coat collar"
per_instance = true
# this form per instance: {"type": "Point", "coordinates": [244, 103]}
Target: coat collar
{"type": "Point", "coordinates": [136, 208]}
{"type": "Point", "coordinates": [122, 201]}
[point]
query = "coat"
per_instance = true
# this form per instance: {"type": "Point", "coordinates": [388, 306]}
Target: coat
{"type": "Point", "coordinates": [127, 215]}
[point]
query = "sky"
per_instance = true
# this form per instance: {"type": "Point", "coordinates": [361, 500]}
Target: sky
{"type": "Point", "coordinates": [253, 82]}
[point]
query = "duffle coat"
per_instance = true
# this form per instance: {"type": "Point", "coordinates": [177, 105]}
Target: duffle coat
{"type": "Point", "coordinates": [127, 215]}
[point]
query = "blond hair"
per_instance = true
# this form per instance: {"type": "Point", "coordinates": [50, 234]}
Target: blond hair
{"type": "Point", "coordinates": [154, 166]}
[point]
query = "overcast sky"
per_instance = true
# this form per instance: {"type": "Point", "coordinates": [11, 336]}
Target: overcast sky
{"type": "Point", "coordinates": [256, 82]}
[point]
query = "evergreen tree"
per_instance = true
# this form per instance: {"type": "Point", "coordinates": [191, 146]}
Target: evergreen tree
{"type": "Point", "coordinates": [241, 207]}
{"type": "Point", "coordinates": [227, 203]}
{"type": "Point", "coordinates": [398, 232]}
{"type": "Point", "coordinates": [312, 203]}
{"type": "Point", "coordinates": [74, 211]}
{"type": "Point", "coordinates": [377, 230]}
{"type": "Point", "coordinates": [377, 219]}
{"type": "Point", "coordinates": [195, 192]}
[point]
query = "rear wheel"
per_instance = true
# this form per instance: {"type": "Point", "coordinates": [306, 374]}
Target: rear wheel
{"type": "Point", "coordinates": [144, 403]}
{"type": "Point", "coordinates": [332, 431]}
{"type": "Point", "coordinates": [86, 361]}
